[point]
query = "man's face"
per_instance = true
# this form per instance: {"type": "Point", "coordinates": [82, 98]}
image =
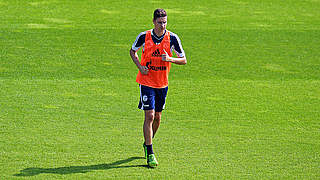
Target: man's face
{"type": "Point", "coordinates": [160, 23]}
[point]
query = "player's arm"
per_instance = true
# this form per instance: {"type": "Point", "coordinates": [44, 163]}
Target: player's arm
{"type": "Point", "coordinates": [177, 47]}
{"type": "Point", "coordinates": [139, 42]}
{"type": "Point", "coordinates": [179, 60]}
{"type": "Point", "coordinates": [135, 59]}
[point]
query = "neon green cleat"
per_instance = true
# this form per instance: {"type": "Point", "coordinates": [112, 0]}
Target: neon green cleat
{"type": "Point", "coordinates": [152, 161]}
{"type": "Point", "coordinates": [145, 150]}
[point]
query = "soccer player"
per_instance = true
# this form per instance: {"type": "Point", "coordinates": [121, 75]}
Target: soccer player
{"type": "Point", "coordinates": [157, 46]}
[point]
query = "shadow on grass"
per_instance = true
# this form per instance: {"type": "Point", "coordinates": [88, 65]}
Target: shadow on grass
{"type": "Point", "coordinates": [78, 169]}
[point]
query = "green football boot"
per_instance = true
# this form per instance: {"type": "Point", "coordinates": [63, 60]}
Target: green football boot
{"type": "Point", "coordinates": [152, 161]}
{"type": "Point", "coordinates": [145, 150]}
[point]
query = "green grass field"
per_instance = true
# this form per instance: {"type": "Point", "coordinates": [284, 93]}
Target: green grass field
{"type": "Point", "coordinates": [246, 106]}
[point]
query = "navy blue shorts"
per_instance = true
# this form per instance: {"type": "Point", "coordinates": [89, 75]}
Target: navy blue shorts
{"type": "Point", "coordinates": [152, 98]}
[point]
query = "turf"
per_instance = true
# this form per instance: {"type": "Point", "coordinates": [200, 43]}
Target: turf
{"type": "Point", "coordinates": [246, 106]}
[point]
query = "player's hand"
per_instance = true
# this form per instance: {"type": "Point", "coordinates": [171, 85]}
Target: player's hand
{"type": "Point", "coordinates": [165, 57]}
{"type": "Point", "coordinates": [144, 70]}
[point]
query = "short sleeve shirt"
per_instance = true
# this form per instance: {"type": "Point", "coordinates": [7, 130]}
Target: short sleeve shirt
{"type": "Point", "coordinates": [175, 43]}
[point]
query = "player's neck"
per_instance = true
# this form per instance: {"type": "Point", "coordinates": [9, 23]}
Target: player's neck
{"type": "Point", "coordinates": [159, 33]}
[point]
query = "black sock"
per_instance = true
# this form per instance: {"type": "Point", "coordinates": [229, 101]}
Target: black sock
{"type": "Point", "coordinates": [149, 149]}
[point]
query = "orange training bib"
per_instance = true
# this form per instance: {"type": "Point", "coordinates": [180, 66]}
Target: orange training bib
{"type": "Point", "coordinates": [151, 58]}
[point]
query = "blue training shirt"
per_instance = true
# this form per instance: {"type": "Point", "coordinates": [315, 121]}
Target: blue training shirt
{"type": "Point", "coordinates": [175, 43]}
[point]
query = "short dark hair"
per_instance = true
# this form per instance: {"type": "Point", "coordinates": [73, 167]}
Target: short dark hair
{"type": "Point", "coordinates": [159, 13]}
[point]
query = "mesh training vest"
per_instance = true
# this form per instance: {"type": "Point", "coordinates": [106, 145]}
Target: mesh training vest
{"type": "Point", "coordinates": [151, 58]}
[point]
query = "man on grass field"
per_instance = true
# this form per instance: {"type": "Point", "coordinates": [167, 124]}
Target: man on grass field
{"type": "Point", "coordinates": [157, 46]}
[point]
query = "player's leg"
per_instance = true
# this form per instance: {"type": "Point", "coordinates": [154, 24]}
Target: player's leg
{"type": "Point", "coordinates": [147, 103]}
{"type": "Point", "coordinates": [148, 125]}
{"type": "Point", "coordinates": [148, 133]}
{"type": "Point", "coordinates": [160, 101]}
{"type": "Point", "coordinates": [156, 122]}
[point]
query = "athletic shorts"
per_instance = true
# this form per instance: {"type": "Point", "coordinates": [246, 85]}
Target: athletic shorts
{"type": "Point", "coordinates": [152, 98]}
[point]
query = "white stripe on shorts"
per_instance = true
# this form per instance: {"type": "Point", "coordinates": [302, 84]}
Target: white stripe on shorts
{"type": "Point", "coordinates": [141, 98]}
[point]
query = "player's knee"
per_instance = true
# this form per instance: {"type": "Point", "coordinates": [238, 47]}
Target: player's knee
{"type": "Point", "coordinates": [149, 116]}
{"type": "Point", "coordinates": [157, 118]}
